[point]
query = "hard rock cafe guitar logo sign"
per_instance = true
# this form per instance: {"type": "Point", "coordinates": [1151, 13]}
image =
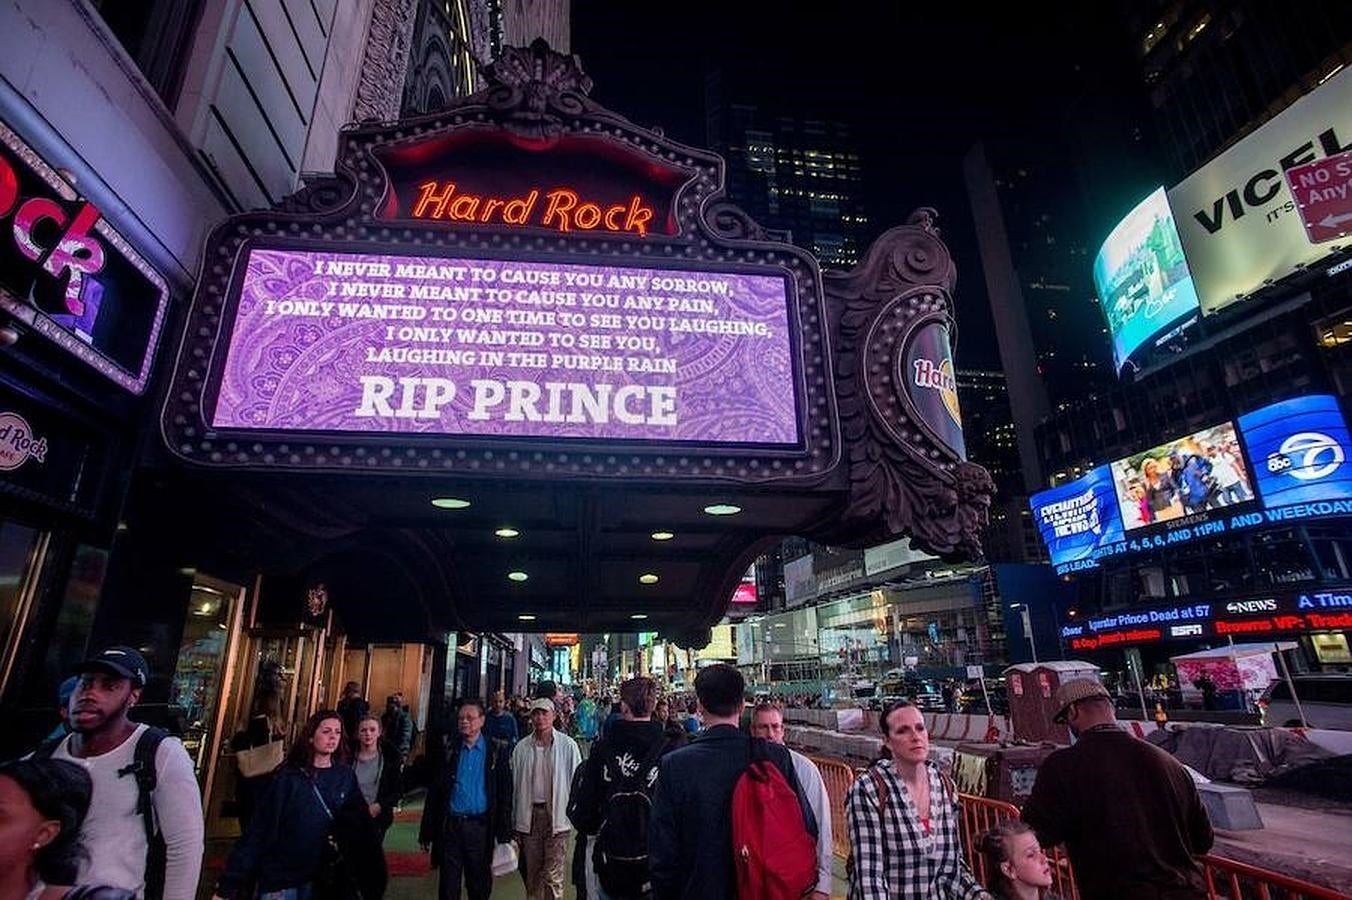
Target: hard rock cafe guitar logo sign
{"type": "Point", "coordinates": [18, 443]}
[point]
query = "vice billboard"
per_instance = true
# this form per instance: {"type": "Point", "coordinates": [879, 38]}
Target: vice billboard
{"type": "Point", "coordinates": [1277, 201]}
{"type": "Point", "coordinates": [1285, 461]}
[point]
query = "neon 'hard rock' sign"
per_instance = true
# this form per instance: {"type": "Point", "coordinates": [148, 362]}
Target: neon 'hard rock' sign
{"type": "Point", "coordinates": [562, 210]}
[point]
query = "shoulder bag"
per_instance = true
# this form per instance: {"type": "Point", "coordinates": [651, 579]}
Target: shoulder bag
{"type": "Point", "coordinates": [335, 879]}
{"type": "Point", "coordinates": [260, 760]}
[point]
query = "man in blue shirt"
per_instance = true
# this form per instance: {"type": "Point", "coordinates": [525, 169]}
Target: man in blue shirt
{"type": "Point", "coordinates": [501, 725]}
{"type": "Point", "coordinates": [468, 808]}
{"type": "Point", "coordinates": [692, 722]}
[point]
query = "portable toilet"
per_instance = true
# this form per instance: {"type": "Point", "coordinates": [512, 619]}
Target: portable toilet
{"type": "Point", "coordinates": [1031, 689]}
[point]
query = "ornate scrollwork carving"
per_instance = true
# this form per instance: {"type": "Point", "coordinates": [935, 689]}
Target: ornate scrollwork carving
{"type": "Point", "coordinates": [903, 479]}
{"type": "Point", "coordinates": [380, 84]}
{"type": "Point", "coordinates": [533, 90]}
{"type": "Point", "coordinates": [730, 221]}
{"type": "Point", "coordinates": [318, 198]}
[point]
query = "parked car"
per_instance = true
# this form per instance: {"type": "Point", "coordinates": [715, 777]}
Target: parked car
{"type": "Point", "coordinates": [926, 696]}
{"type": "Point", "coordinates": [879, 703]}
{"type": "Point", "coordinates": [1326, 699]}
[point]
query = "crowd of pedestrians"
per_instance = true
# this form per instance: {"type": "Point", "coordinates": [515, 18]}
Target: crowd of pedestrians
{"type": "Point", "coordinates": [668, 798]}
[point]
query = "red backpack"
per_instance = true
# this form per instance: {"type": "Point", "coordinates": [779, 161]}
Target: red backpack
{"type": "Point", "coordinates": [773, 852]}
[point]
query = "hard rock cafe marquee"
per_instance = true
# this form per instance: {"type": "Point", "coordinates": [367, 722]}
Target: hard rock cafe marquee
{"type": "Point", "coordinates": [530, 302]}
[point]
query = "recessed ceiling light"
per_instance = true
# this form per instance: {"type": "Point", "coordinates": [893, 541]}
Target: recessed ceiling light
{"type": "Point", "coordinates": [526, 617]}
{"type": "Point", "coordinates": [722, 509]}
{"type": "Point", "coordinates": [450, 503]}
{"type": "Point", "coordinates": [639, 616]}
{"type": "Point", "coordinates": [662, 535]}
{"type": "Point", "coordinates": [507, 533]}
{"type": "Point", "coordinates": [647, 578]}
{"type": "Point", "coordinates": [517, 576]}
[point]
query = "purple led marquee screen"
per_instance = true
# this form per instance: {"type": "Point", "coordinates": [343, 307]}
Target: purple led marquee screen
{"type": "Point", "coordinates": [354, 342]}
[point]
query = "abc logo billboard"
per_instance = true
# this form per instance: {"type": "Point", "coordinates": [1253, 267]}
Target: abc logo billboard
{"type": "Point", "coordinates": [1299, 449]}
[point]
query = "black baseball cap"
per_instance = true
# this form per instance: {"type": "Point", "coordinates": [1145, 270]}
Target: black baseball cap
{"type": "Point", "coordinates": [124, 662]}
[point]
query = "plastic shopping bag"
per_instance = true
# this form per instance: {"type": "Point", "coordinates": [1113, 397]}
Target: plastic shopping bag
{"type": "Point", "coordinates": [504, 859]}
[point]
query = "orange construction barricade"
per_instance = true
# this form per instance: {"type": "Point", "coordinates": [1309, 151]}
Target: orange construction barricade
{"type": "Point", "coordinates": [838, 777]}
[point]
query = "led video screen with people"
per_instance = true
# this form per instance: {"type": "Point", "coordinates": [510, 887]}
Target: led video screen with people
{"type": "Point", "coordinates": [1284, 462]}
{"type": "Point", "coordinates": [1202, 471]}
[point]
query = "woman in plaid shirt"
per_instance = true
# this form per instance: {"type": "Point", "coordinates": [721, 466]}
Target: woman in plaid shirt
{"type": "Point", "coordinates": [903, 822]}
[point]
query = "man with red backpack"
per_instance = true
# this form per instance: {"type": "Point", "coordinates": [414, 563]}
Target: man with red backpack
{"type": "Point", "coordinates": [729, 818]}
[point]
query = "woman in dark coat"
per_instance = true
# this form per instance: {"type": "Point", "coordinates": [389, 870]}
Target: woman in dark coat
{"type": "Point", "coordinates": [313, 799]}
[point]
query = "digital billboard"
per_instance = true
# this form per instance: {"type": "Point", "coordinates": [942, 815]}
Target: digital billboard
{"type": "Point", "coordinates": [1078, 518]}
{"type": "Point", "coordinates": [745, 593]}
{"type": "Point", "coordinates": [355, 342]}
{"type": "Point", "coordinates": [1239, 223]}
{"type": "Point", "coordinates": [1143, 280]}
{"type": "Point", "coordinates": [1258, 617]}
{"type": "Point", "coordinates": [1183, 477]}
{"type": "Point", "coordinates": [1299, 451]}
{"type": "Point", "coordinates": [1286, 461]}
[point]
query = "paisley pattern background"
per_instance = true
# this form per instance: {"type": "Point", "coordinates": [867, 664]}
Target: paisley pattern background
{"type": "Point", "coordinates": [295, 373]}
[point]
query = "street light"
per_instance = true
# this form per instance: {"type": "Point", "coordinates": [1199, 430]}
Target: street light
{"type": "Point", "coordinates": [1022, 609]}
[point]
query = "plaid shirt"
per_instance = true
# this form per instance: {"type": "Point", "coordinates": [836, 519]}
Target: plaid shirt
{"type": "Point", "coordinates": [894, 859]}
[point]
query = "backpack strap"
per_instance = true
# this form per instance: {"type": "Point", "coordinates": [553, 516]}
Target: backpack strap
{"type": "Point", "coordinates": [760, 752]}
{"type": "Point", "coordinates": [143, 769]}
{"type": "Point", "coordinates": [655, 752]}
{"type": "Point", "coordinates": [48, 747]}
{"type": "Point", "coordinates": [949, 787]}
{"type": "Point", "coordinates": [880, 787]}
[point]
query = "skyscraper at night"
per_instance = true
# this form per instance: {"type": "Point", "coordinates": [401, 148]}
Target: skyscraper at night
{"type": "Point", "coordinates": [1214, 71]}
{"type": "Point", "coordinates": [798, 176]}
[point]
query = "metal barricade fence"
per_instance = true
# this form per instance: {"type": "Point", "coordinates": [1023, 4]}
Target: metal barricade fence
{"type": "Point", "coordinates": [838, 777]}
{"type": "Point", "coordinates": [1229, 879]}
{"type": "Point", "coordinates": [1226, 879]}
{"type": "Point", "coordinates": [980, 814]}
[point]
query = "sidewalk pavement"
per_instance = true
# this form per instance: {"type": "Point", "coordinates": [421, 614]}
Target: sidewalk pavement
{"type": "Point", "coordinates": [411, 879]}
{"type": "Point", "coordinates": [1311, 844]}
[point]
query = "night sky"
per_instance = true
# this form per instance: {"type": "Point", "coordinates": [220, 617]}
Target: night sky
{"type": "Point", "coordinates": [917, 87]}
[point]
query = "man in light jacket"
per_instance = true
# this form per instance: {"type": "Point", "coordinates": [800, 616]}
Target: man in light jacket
{"type": "Point", "coordinates": [542, 775]}
{"type": "Point", "coordinates": [767, 721]}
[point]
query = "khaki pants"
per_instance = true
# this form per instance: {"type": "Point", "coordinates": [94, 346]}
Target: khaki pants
{"type": "Point", "coordinates": [542, 856]}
